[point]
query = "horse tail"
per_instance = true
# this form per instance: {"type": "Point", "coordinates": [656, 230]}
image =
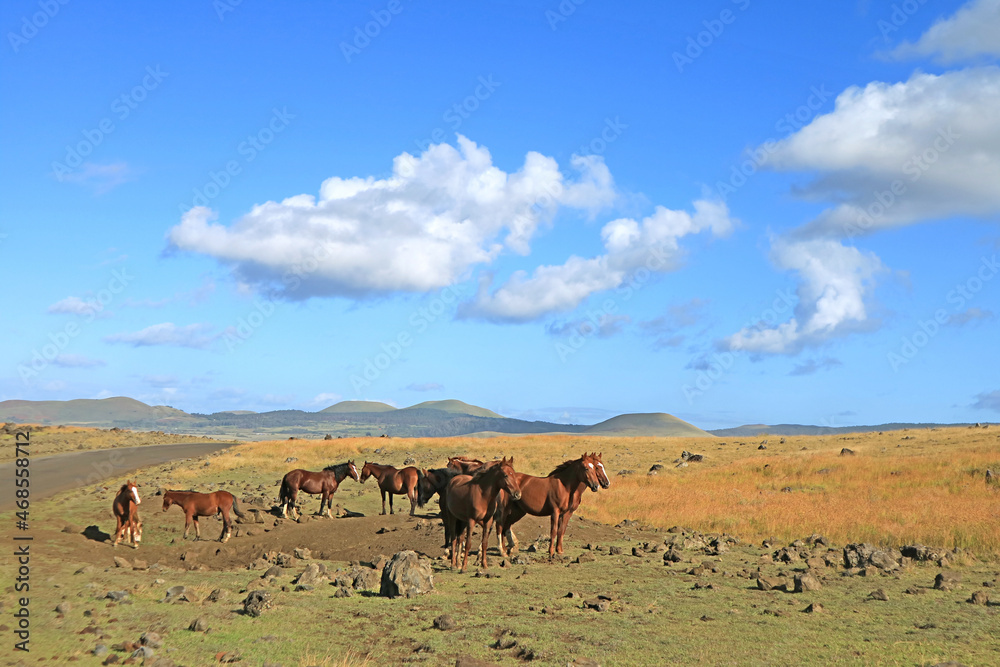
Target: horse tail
{"type": "Point", "coordinates": [285, 494]}
{"type": "Point", "coordinates": [236, 507]}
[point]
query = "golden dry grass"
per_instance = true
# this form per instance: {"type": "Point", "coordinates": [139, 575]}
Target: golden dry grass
{"type": "Point", "coordinates": [900, 487]}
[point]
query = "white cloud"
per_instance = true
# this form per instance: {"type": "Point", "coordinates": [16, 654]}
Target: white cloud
{"type": "Point", "coordinates": [973, 31]}
{"type": "Point", "coordinates": [835, 282]}
{"type": "Point", "coordinates": [652, 243]}
{"type": "Point", "coordinates": [425, 227]}
{"type": "Point", "coordinates": [167, 333]}
{"type": "Point", "coordinates": [936, 137]}
{"type": "Point", "coordinates": [74, 305]}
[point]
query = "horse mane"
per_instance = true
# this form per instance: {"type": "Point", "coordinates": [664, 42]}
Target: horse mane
{"type": "Point", "coordinates": [337, 468]}
{"type": "Point", "coordinates": [564, 466]}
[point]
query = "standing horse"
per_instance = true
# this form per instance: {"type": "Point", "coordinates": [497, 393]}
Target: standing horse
{"type": "Point", "coordinates": [324, 482]}
{"type": "Point", "coordinates": [436, 481]}
{"type": "Point", "coordinates": [197, 504]}
{"type": "Point", "coordinates": [464, 464]}
{"type": "Point", "coordinates": [126, 510]}
{"type": "Point", "coordinates": [393, 482]}
{"type": "Point", "coordinates": [556, 496]}
{"type": "Point", "coordinates": [472, 499]}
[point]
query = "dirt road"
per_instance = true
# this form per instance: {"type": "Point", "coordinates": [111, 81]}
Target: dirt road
{"type": "Point", "coordinates": [52, 474]}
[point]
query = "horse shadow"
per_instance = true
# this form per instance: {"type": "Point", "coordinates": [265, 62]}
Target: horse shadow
{"type": "Point", "coordinates": [96, 534]}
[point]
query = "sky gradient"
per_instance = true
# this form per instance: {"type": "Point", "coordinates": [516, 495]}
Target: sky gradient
{"type": "Point", "coordinates": [734, 212]}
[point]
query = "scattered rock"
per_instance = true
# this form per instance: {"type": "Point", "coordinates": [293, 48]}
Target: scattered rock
{"type": "Point", "coordinates": [879, 595]}
{"type": "Point", "coordinates": [614, 551]}
{"type": "Point", "coordinates": [256, 602]}
{"type": "Point", "coordinates": [814, 608]}
{"type": "Point", "coordinates": [343, 592]}
{"type": "Point", "coordinates": [846, 452]}
{"type": "Point", "coordinates": [151, 639]}
{"type": "Point", "coordinates": [116, 596]}
{"type": "Point", "coordinates": [179, 594]}
{"type": "Point", "coordinates": [597, 604]}
{"type": "Point", "coordinates": [585, 558]}
{"type": "Point", "coordinates": [310, 576]}
{"type": "Point", "coordinates": [806, 582]}
{"type": "Point", "coordinates": [770, 583]}
{"type": "Point", "coordinates": [445, 622]}
{"type": "Point", "coordinates": [406, 575]}
{"type": "Point", "coordinates": [947, 580]}
{"type": "Point", "coordinates": [121, 562]}
{"type": "Point", "coordinates": [63, 608]}
{"type": "Point", "coordinates": [198, 625]}
{"type": "Point", "coordinates": [980, 597]}
{"type": "Point", "coordinates": [303, 553]}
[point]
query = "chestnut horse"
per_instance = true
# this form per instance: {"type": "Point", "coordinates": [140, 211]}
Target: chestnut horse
{"type": "Point", "coordinates": [556, 496]}
{"type": "Point", "coordinates": [467, 466]}
{"type": "Point", "coordinates": [393, 482]}
{"type": "Point", "coordinates": [126, 510]}
{"type": "Point", "coordinates": [197, 504]}
{"type": "Point", "coordinates": [436, 481]}
{"type": "Point", "coordinates": [324, 482]}
{"type": "Point", "coordinates": [602, 475]}
{"type": "Point", "coordinates": [472, 499]}
{"type": "Point", "coordinates": [464, 464]}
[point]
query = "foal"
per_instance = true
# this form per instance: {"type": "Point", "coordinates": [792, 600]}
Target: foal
{"type": "Point", "coordinates": [126, 510]}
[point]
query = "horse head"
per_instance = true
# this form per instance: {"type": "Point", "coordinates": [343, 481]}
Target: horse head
{"type": "Point", "coordinates": [602, 475]}
{"type": "Point", "coordinates": [590, 471]}
{"type": "Point", "coordinates": [366, 472]}
{"type": "Point", "coordinates": [167, 501]}
{"type": "Point", "coordinates": [508, 479]}
{"type": "Point", "coordinates": [131, 487]}
{"type": "Point", "coordinates": [353, 471]}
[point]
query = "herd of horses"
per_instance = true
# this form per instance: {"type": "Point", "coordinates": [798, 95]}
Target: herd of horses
{"type": "Point", "coordinates": [470, 493]}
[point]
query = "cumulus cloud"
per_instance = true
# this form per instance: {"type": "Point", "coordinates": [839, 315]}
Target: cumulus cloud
{"type": "Point", "coordinates": [653, 244]}
{"type": "Point", "coordinates": [895, 154]}
{"type": "Point", "coordinates": [169, 334]}
{"type": "Point", "coordinates": [972, 32]}
{"type": "Point", "coordinates": [425, 227]}
{"type": "Point", "coordinates": [834, 282]}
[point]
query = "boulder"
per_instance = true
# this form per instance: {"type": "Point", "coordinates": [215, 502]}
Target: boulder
{"type": "Point", "coordinates": [406, 575]}
{"type": "Point", "coordinates": [806, 582]}
{"type": "Point", "coordinates": [256, 602]}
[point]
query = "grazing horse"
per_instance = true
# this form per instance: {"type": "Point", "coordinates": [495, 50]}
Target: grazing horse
{"type": "Point", "coordinates": [126, 510]}
{"type": "Point", "coordinates": [197, 504]}
{"type": "Point", "coordinates": [556, 496]}
{"type": "Point", "coordinates": [472, 499]}
{"type": "Point", "coordinates": [392, 482]}
{"type": "Point", "coordinates": [324, 482]}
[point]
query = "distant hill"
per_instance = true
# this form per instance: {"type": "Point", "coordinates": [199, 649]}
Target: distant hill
{"type": "Point", "coordinates": [91, 412]}
{"type": "Point", "coordinates": [455, 407]}
{"type": "Point", "coordinates": [358, 406]}
{"type": "Point", "coordinates": [648, 423]}
{"type": "Point", "coordinates": [753, 430]}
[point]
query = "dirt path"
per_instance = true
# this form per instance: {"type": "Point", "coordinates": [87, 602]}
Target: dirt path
{"type": "Point", "coordinates": [52, 474]}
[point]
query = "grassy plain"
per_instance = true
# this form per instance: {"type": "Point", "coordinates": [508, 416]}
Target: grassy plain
{"type": "Point", "coordinates": [897, 488]}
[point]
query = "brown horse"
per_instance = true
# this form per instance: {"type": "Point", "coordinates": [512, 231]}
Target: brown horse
{"type": "Point", "coordinates": [464, 464]}
{"type": "Point", "coordinates": [393, 482]}
{"type": "Point", "coordinates": [126, 510]}
{"type": "Point", "coordinates": [556, 496]}
{"type": "Point", "coordinates": [324, 482]}
{"type": "Point", "coordinates": [435, 481]}
{"type": "Point", "coordinates": [472, 499]}
{"type": "Point", "coordinates": [602, 475]}
{"type": "Point", "coordinates": [197, 504]}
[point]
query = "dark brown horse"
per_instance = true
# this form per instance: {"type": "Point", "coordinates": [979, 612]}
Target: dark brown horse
{"type": "Point", "coordinates": [324, 482]}
{"type": "Point", "coordinates": [472, 499]}
{"type": "Point", "coordinates": [556, 496]}
{"type": "Point", "coordinates": [435, 481]}
{"type": "Point", "coordinates": [392, 482]}
{"type": "Point", "coordinates": [197, 504]}
{"type": "Point", "coordinates": [126, 510]}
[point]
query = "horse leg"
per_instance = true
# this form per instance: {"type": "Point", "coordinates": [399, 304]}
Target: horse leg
{"type": "Point", "coordinates": [553, 532]}
{"type": "Point", "coordinates": [487, 526]}
{"type": "Point", "coordinates": [118, 530]}
{"type": "Point", "coordinates": [197, 529]}
{"type": "Point", "coordinates": [187, 525]}
{"type": "Point", "coordinates": [470, 524]}
{"type": "Point", "coordinates": [226, 527]}
{"type": "Point", "coordinates": [412, 495]}
{"type": "Point", "coordinates": [563, 522]}
{"type": "Point", "coordinates": [383, 500]}
{"type": "Point", "coordinates": [391, 510]}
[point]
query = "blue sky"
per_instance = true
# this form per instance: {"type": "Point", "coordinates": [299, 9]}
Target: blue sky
{"type": "Point", "coordinates": [734, 212]}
